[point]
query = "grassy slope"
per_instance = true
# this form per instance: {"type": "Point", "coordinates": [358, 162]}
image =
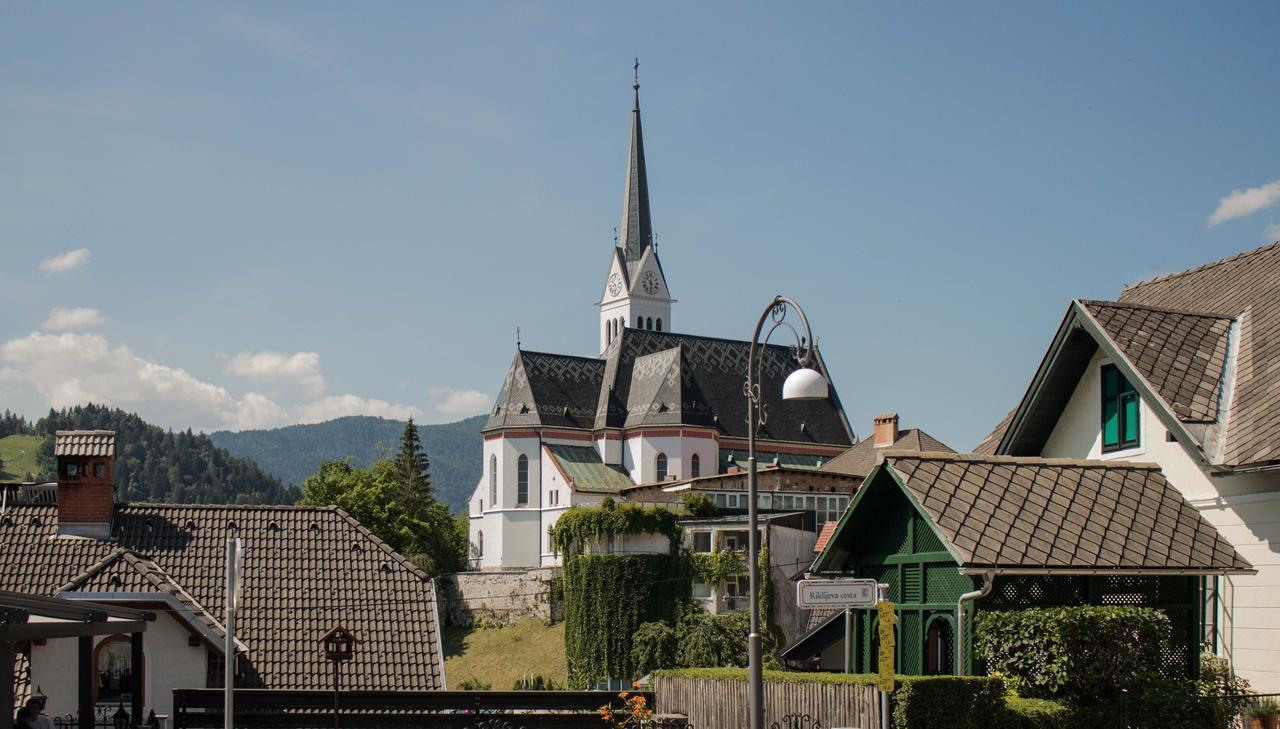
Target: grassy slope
{"type": "Point", "coordinates": [500, 656]}
{"type": "Point", "coordinates": [18, 452]}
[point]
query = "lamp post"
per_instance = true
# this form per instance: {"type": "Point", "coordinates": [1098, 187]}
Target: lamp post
{"type": "Point", "coordinates": [804, 383]}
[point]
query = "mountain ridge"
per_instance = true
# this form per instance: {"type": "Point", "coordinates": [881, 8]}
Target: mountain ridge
{"type": "Point", "coordinates": [294, 452]}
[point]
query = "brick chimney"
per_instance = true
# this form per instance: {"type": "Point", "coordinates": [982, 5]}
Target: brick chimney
{"type": "Point", "coordinates": [886, 430]}
{"type": "Point", "coordinates": [86, 477]}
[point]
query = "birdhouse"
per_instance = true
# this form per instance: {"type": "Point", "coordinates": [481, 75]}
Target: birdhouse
{"type": "Point", "coordinates": [339, 644]}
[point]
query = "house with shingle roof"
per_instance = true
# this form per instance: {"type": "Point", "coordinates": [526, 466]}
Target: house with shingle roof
{"type": "Point", "coordinates": [305, 570]}
{"type": "Point", "coordinates": [654, 407]}
{"type": "Point", "coordinates": [1181, 371]}
{"type": "Point", "coordinates": [951, 534]}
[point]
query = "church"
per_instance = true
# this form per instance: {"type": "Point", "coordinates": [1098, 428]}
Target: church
{"type": "Point", "coordinates": [654, 406]}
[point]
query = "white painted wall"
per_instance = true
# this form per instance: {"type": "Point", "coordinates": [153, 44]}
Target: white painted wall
{"type": "Point", "coordinates": [169, 663]}
{"type": "Point", "coordinates": [1245, 509]}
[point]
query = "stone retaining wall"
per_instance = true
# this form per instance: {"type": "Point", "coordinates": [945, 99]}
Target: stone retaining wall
{"type": "Point", "coordinates": [500, 597]}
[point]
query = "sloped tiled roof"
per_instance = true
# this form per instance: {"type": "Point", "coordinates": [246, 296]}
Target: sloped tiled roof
{"type": "Point", "coordinates": [306, 569]}
{"type": "Point", "coordinates": [1003, 511]}
{"type": "Point", "coordinates": [990, 443]}
{"type": "Point", "coordinates": [828, 529]}
{"type": "Point", "coordinates": [999, 511]}
{"type": "Point", "coordinates": [1248, 286]}
{"type": "Point", "coordinates": [586, 472]}
{"type": "Point", "coordinates": [1182, 354]}
{"type": "Point", "coordinates": [861, 458]}
{"type": "Point", "coordinates": [84, 443]}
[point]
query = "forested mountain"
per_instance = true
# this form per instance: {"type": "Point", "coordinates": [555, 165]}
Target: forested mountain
{"type": "Point", "coordinates": [295, 452]}
{"type": "Point", "coordinates": [156, 465]}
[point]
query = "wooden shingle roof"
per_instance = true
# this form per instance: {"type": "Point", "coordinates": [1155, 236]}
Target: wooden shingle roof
{"type": "Point", "coordinates": [1003, 512]}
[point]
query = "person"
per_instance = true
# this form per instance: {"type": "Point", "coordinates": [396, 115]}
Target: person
{"type": "Point", "coordinates": [23, 718]}
{"type": "Point", "coordinates": [38, 718]}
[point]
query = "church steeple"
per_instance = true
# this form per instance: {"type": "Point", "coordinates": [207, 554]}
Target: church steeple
{"type": "Point", "coordinates": [636, 232]}
{"type": "Point", "coordinates": [635, 295]}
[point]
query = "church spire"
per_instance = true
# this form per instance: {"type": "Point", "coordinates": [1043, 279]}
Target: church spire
{"type": "Point", "coordinates": [636, 232]}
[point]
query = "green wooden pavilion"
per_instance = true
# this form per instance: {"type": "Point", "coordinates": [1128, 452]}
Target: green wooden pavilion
{"type": "Point", "coordinates": [954, 533]}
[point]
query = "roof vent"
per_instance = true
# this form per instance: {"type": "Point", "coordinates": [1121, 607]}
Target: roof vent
{"type": "Point", "coordinates": [6, 521]}
{"type": "Point", "coordinates": [524, 409]}
{"type": "Point", "coordinates": [116, 581]}
{"type": "Point", "coordinates": [314, 528]}
{"type": "Point", "coordinates": [35, 522]}
{"type": "Point", "coordinates": [356, 548]}
{"type": "Point", "coordinates": [497, 409]}
{"type": "Point", "coordinates": [232, 526]}
{"type": "Point", "coordinates": [384, 568]}
{"type": "Point", "coordinates": [566, 411]}
{"type": "Point", "coordinates": [662, 408]}
{"type": "Point", "coordinates": [191, 525]}
{"type": "Point", "coordinates": [273, 527]}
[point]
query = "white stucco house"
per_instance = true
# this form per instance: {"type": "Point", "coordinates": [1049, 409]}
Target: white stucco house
{"type": "Point", "coordinates": [1184, 371]}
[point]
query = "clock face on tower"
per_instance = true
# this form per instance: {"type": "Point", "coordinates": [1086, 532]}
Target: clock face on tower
{"type": "Point", "coordinates": [615, 284]}
{"type": "Point", "coordinates": [650, 283]}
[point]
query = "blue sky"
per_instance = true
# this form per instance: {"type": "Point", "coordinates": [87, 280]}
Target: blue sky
{"type": "Point", "coordinates": [254, 214]}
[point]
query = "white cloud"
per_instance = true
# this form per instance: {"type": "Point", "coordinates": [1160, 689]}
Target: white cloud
{"type": "Point", "coordinates": [69, 369]}
{"type": "Point", "coordinates": [65, 261]}
{"type": "Point", "coordinates": [1246, 202]}
{"type": "Point", "coordinates": [459, 402]}
{"type": "Point", "coordinates": [337, 406]}
{"type": "Point", "coordinates": [300, 368]}
{"type": "Point", "coordinates": [62, 319]}
{"type": "Point", "coordinates": [1272, 233]}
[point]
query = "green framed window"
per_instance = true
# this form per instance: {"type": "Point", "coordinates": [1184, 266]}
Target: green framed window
{"type": "Point", "coordinates": [1121, 419]}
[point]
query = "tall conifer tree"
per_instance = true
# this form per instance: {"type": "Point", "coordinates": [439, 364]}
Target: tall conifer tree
{"type": "Point", "coordinates": [412, 467]}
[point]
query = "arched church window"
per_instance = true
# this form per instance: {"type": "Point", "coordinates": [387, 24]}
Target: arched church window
{"type": "Point", "coordinates": [479, 544]}
{"type": "Point", "coordinates": [695, 463]}
{"type": "Point", "coordinates": [649, 324]}
{"type": "Point", "coordinates": [660, 467]}
{"type": "Point", "coordinates": [522, 480]}
{"type": "Point", "coordinates": [608, 333]}
{"type": "Point", "coordinates": [659, 323]}
{"type": "Point", "coordinates": [493, 482]}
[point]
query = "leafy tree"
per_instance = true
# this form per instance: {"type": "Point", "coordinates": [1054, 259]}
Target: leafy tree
{"type": "Point", "coordinates": [422, 530]}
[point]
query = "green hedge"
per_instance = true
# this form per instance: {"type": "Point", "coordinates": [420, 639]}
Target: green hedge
{"type": "Point", "coordinates": [1022, 713]}
{"type": "Point", "coordinates": [1082, 655]}
{"type": "Point", "coordinates": [955, 702]}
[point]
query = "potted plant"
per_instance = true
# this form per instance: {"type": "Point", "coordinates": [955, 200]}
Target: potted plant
{"type": "Point", "coordinates": [1265, 715]}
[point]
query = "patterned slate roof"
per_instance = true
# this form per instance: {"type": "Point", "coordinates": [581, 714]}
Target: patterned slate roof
{"type": "Point", "coordinates": [695, 381]}
{"type": "Point", "coordinates": [84, 443]}
{"type": "Point", "coordinates": [586, 472]}
{"type": "Point", "coordinates": [1057, 513]}
{"type": "Point", "coordinates": [548, 390]}
{"type": "Point", "coordinates": [1182, 354]}
{"type": "Point", "coordinates": [306, 569]}
{"type": "Point", "coordinates": [861, 458]}
{"type": "Point", "coordinates": [1248, 286]}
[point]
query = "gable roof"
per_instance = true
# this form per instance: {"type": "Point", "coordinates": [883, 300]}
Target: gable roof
{"type": "Point", "coordinates": [1197, 345]}
{"type": "Point", "coordinates": [862, 457]}
{"type": "Point", "coordinates": [649, 378]}
{"type": "Point", "coordinates": [1045, 515]}
{"type": "Point", "coordinates": [582, 467]}
{"type": "Point", "coordinates": [305, 570]}
{"type": "Point", "coordinates": [1246, 286]}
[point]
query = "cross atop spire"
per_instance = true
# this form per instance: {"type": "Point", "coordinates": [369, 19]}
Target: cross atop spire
{"type": "Point", "coordinates": [636, 231]}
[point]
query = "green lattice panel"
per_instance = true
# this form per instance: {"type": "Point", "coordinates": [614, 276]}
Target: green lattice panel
{"type": "Point", "coordinates": [1012, 593]}
{"type": "Point", "coordinates": [926, 539]}
{"type": "Point", "coordinates": [890, 534]}
{"type": "Point", "coordinates": [944, 583]}
{"type": "Point", "coordinates": [912, 582]}
{"type": "Point", "coordinates": [910, 642]}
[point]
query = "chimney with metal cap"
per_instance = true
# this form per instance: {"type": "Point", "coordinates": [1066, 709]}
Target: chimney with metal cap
{"type": "Point", "coordinates": [886, 430]}
{"type": "Point", "coordinates": [86, 477]}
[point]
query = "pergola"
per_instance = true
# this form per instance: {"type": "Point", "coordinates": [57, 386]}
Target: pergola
{"type": "Point", "coordinates": [66, 619]}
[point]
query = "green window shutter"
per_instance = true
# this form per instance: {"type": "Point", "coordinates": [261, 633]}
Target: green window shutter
{"type": "Point", "coordinates": [1130, 409]}
{"type": "Point", "coordinates": [1110, 423]}
{"type": "Point", "coordinates": [1121, 415]}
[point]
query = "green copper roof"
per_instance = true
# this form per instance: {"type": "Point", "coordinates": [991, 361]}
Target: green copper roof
{"type": "Point", "coordinates": [730, 457]}
{"type": "Point", "coordinates": [584, 469]}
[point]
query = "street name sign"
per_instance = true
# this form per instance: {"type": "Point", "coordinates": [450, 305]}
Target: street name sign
{"type": "Point", "coordinates": [836, 593]}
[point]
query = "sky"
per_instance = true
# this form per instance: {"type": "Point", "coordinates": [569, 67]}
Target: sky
{"type": "Point", "coordinates": [230, 216]}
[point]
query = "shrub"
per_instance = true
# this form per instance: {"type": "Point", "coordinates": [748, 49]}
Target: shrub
{"type": "Point", "coordinates": [698, 504]}
{"type": "Point", "coordinates": [956, 702]}
{"type": "Point", "coordinates": [713, 640]}
{"type": "Point", "coordinates": [471, 683]}
{"type": "Point", "coordinates": [1082, 655]}
{"type": "Point", "coordinates": [653, 646]}
{"type": "Point", "coordinates": [1020, 713]}
{"type": "Point", "coordinates": [536, 682]}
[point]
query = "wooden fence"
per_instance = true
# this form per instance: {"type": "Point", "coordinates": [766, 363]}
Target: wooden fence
{"type": "Point", "coordinates": [722, 704]}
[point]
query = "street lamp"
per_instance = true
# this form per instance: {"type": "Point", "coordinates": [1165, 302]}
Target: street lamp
{"type": "Point", "coordinates": [805, 383]}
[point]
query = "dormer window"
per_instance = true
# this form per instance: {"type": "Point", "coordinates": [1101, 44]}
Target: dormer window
{"type": "Point", "coordinates": [1121, 418]}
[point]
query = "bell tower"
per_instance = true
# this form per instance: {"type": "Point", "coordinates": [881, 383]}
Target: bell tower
{"type": "Point", "coordinates": [635, 292]}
